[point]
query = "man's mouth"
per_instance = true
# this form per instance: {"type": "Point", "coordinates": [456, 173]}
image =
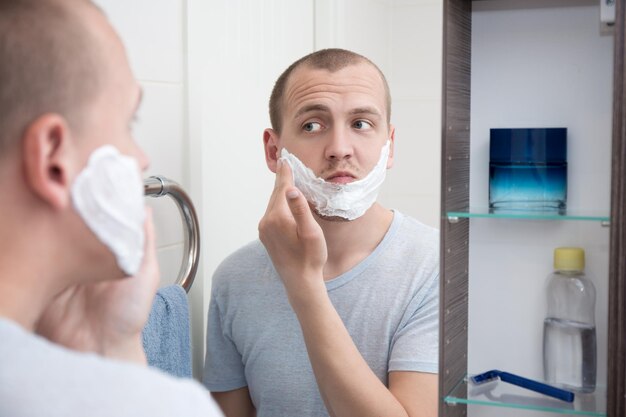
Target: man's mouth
{"type": "Point", "coordinates": [341, 177]}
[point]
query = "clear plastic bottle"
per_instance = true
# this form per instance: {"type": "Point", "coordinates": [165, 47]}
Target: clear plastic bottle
{"type": "Point", "coordinates": [569, 335]}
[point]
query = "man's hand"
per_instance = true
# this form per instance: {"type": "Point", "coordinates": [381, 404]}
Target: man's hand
{"type": "Point", "coordinates": [292, 237]}
{"type": "Point", "coordinates": [106, 317]}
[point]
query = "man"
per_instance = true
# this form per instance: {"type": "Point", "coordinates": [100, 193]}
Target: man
{"type": "Point", "coordinates": [72, 223]}
{"type": "Point", "coordinates": [336, 311]}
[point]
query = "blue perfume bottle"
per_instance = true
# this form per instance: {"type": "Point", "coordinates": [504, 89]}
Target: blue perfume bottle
{"type": "Point", "coordinates": [528, 169]}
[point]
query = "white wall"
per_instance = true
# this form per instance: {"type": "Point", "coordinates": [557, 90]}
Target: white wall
{"type": "Point", "coordinates": [415, 80]}
{"type": "Point", "coordinates": [536, 66]}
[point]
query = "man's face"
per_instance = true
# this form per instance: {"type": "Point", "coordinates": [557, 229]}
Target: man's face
{"type": "Point", "coordinates": [336, 123]}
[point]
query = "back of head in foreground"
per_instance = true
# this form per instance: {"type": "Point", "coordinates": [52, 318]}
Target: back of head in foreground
{"type": "Point", "coordinates": [73, 222]}
{"type": "Point", "coordinates": [66, 89]}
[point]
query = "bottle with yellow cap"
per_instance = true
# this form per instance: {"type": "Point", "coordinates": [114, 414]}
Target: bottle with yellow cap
{"type": "Point", "coordinates": [569, 332]}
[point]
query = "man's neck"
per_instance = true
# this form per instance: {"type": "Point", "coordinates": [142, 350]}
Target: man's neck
{"type": "Point", "coordinates": [350, 242]}
{"type": "Point", "coordinates": [27, 277]}
{"type": "Point", "coordinates": [21, 300]}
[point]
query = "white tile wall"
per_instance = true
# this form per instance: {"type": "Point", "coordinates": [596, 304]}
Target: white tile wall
{"type": "Point", "coordinates": [153, 33]}
{"type": "Point", "coordinates": [415, 81]}
{"type": "Point", "coordinates": [362, 26]}
{"type": "Point", "coordinates": [412, 184]}
{"type": "Point", "coordinates": [168, 223]}
{"type": "Point", "coordinates": [416, 48]}
{"type": "Point", "coordinates": [160, 130]}
{"type": "Point", "coordinates": [170, 260]}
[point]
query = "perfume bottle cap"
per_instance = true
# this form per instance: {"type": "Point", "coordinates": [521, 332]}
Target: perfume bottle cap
{"type": "Point", "coordinates": [569, 259]}
{"type": "Point", "coordinates": [532, 145]}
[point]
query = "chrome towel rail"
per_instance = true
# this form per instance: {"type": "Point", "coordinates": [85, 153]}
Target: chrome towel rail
{"type": "Point", "coordinates": [158, 186]}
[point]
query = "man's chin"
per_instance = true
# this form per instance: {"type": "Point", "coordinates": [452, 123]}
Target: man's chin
{"type": "Point", "coordinates": [337, 219]}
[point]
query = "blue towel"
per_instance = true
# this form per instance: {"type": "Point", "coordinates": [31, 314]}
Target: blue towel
{"type": "Point", "coordinates": [166, 336]}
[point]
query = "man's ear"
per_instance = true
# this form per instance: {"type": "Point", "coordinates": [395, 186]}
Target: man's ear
{"type": "Point", "coordinates": [46, 159]}
{"type": "Point", "coordinates": [392, 133]}
{"type": "Point", "coordinates": [270, 142]}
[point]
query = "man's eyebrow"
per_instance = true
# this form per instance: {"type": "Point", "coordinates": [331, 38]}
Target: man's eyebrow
{"type": "Point", "coordinates": [311, 108]}
{"type": "Point", "coordinates": [320, 107]}
{"type": "Point", "coordinates": [366, 110]}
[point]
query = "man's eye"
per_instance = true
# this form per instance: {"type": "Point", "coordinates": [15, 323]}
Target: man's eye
{"type": "Point", "coordinates": [312, 127]}
{"type": "Point", "coordinates": [362, 125]}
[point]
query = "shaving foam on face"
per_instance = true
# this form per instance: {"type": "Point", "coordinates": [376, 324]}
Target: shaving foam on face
{"type": "Point", "coordinates": [349, 201]}
{"type": "Point", "coordinates": [108, 195]}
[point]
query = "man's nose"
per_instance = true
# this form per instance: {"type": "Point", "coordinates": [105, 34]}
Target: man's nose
{"type": "Point", "coordinates": [339, 145]}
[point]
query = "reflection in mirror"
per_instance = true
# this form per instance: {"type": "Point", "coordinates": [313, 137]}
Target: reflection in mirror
{"type": "Point", "coordinates": [322, 315]}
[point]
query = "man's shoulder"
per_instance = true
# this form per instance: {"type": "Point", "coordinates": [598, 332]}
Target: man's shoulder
{"type": "Point", "coordinates": [249, 259]}
{"type": "Point", "coordinates": [413, 231]}
{"type": "Point", "coordinates": [414, 246]}
{"type": "Point", "coordinates": [102, 384]}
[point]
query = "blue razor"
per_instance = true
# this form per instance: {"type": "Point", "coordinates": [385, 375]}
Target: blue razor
{"type": "Point", "coordinates": [536, 386]}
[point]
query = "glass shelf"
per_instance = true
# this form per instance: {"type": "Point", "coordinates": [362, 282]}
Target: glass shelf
{"type": "Point", "coordinates": [501, 394]}
{"type": "Point", "coordinates": [485, 212]}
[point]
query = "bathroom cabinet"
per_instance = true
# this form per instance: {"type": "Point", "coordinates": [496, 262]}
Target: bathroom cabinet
{"type": "Point", "coordinates": [501, 63]}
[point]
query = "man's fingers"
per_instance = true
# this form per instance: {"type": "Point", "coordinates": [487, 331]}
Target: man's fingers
{"type": "Point", "coordinates": [284, 178]}
{"type": "Point", "coordinates": [299, 207]}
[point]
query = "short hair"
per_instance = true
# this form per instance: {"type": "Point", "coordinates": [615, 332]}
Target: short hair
{"type": "Point", "coordinates": [333, 60]}
{"type": "Point", "coordinates": [48, 64]}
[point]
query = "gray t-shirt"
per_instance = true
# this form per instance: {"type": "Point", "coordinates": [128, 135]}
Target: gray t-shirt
{"type": "Point", "coordinates": [388, 302]}
{"type": "Point", "coordinates": [38, 378]}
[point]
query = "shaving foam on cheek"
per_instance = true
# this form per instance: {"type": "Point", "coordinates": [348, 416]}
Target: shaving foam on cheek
{"type": "Point", "coordinates": [108, 195]}
{"type": "Point", "coordinates": [349, 201]}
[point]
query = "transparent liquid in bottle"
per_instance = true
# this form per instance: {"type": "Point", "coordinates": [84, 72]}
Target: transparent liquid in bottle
{"type": "Point", "coordinates": [570, 354]}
